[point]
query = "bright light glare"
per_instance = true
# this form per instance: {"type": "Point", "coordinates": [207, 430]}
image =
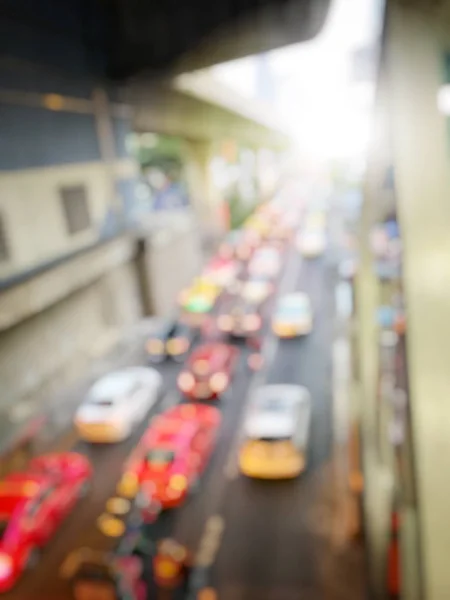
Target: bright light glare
{"type": "Point", "coordinates": [443, 99]}
{"type": "Point", "coordinates": [320, 106]}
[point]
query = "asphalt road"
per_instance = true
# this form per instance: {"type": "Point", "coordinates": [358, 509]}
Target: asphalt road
{"type": "Point", "coordinates": [268, 547]}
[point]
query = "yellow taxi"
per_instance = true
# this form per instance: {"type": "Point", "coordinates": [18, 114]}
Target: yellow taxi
{"type": "Point", "coordinates": [271, 459]}
{"type": "Point", "coordinates": [293, 316]}
{"type": "Point", "coordinates": [277, 431]}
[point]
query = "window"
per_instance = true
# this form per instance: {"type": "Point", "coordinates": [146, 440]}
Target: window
{"type": "Point", "coordinates": [4, 250]}
{"type": "Point", "coordinates": [161, 456]}
{"type": "Point", "coordinates": [75, 206]}
{"type": "Point", "coordinates": [36, 504]}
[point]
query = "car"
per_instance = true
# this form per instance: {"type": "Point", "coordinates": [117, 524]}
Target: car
{"type": "Point", "coordinates": [315, 220]}
{"type": "Point", "coordinates": [256, 290]}
{"type": "Point", "coordinates": [259, 224]}
{"type": "Point", "coordinates": [265, 262]}
{"type": "Point", "coordinates": [200, 297]}
{"type": "Point", "coordinates": [173, 452]}
{"type": "Point", "coordinates": [99, 575]}
{"type": "Point", "coordinates": [117, 403]}
{"type": "Point", "coordinates": [239, 318]}
{"type": "Point", "coordinates": [32, 506]}
{"type": "Point", "coordinates": [280, 231]}
{"type": "Point", "coordinates": [208, 371]}
{"type": "Point", "coordinates": [227, 248]}
{"type": "Point", "coordinates": [171, 564]}
{"type": "Point", "coordinates": [173, 340]}
{"type": "Point", "coordinates": [239, 244]}
{"type": "Point", "coordinates": [221, 271]}
{"type": "Point", "coordinates": [311, 243]}
{"type": "Point", "coordinates": [293, 316]}
{"type": "Point", "coordinates": [276, 430]}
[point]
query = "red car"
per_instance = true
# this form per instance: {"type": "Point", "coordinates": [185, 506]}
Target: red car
{"type": "Point", "coordinates": [208, 371]}
{"type": "Point", "coordinates": [33, 504]}
{"type": "Point", "coordinates": [174, 452]}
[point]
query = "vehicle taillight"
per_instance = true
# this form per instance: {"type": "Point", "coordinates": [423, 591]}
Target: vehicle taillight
{"type": "Point", "coordinates": [225, 322]}
{"type": "Point", "coordinates": [252, 322]}
{"type": "Point", "coordinates": [177, 345]}
{"type": "Point", "coordinates": [186, 381]}
{"type": "Point", "coordinates": [178, 483]}
{"type": "Point", "coordinates": [155, 346]}
{"type": "Point", "coordinates": [6, 566]}
{"type": "Point", "coordinates": [218, 382]}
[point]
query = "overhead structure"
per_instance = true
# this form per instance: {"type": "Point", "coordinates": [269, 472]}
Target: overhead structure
{"type": "Point", "coordinates": [184, 36]}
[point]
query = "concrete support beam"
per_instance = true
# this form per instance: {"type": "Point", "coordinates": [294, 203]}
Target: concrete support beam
{"type": "Point", "coordinates": [204, 195]}
{"type": "Point", "coordinates": [37, 293]}
{"type": "Point", "coordinates": [417, 39]}
{"type": "Point", "coordinates": [174, 113]}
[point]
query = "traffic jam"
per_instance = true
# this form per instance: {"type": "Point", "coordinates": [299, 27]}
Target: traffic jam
{"type": "Point", "coordinates": [232, 306]}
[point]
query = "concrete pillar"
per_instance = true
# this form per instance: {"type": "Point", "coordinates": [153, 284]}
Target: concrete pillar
{"type": "Point", "coordinates": [377, 477]}
{"type": "Point", "coordinates": [417, 38]}
{"type": "Point", "coordinates": [167, 262]}
{"type": "Point", "coordinates": [106, 144]}
{"type": "Point", "coordinates": [204, 195]}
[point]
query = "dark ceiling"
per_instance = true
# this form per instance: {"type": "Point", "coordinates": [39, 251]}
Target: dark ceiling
{"type": "Point", "coordinates": [123, 38]}
{"type": "Point", "coordinates": [181, 35]}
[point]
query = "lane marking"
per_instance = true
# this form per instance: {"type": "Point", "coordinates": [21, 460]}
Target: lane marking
{"type": "Point", "coordinates": [343, 301]}
{"type": "Point", "coordinates": [210, 541]}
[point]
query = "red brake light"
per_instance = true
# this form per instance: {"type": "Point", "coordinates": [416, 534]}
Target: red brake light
{"type": "Point", "coordinates": [218, 382]}
{"type": "Point", "coordinates": [6, 566]}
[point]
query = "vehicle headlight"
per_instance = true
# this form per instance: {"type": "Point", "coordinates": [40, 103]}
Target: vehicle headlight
{"type": "Point", "coordinates": [218, 382]}
{"type": "Point", "coordinates": [155, 346]}
{"type": "Point", "coordinates": [186, 381]}
{"type": "Point", "coordinates": [225, 322]}
{"type": "Point", "coordinates": [252, 322]}
{"type": "Point", "coordinates": [6, 565]}
{"type": "Point", "coordinates": [128, 485]}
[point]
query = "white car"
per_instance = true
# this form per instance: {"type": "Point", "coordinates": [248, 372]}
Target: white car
{"type": "Point", "coordinates": [256, 291]}
{"type": "Point", "coordinates": [266, 262]}
{"type": "Point", "coordinates": [276, 427]}
{"type": "Point", "coordinates": [311, 243]}
{"type": "Point", "coordinates": [293, 316]}
{"type": "Point", "coordinates": [117, 403]}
